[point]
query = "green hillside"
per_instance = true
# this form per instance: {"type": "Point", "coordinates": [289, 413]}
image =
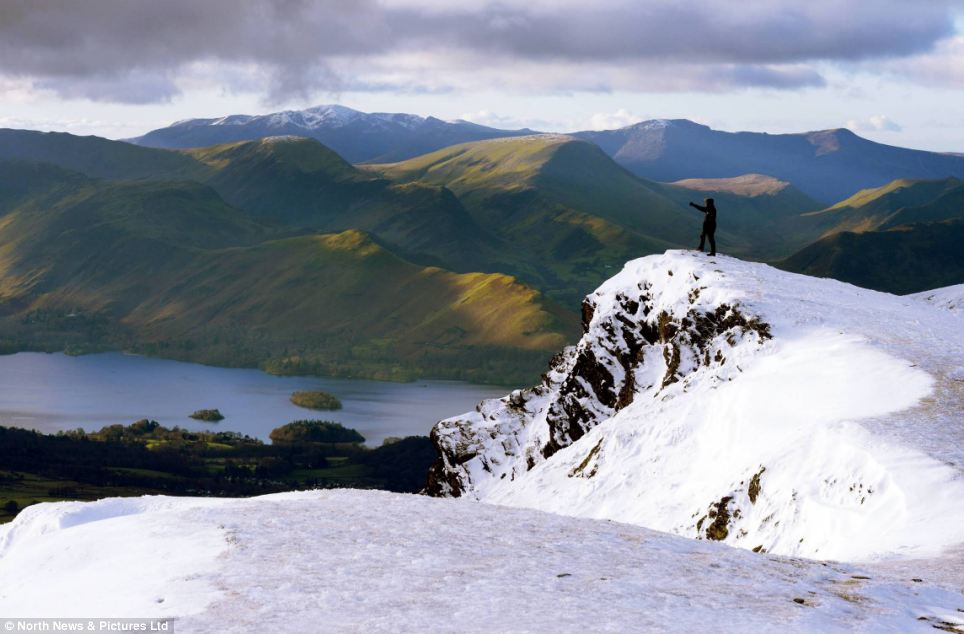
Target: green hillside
{"type": "Point", "coordinates": [299, 182]}
{"type": "Point", "coordinates": [281, 180]}
{"type": "Point", "coordinates": [879, 208]}
{"type": "Point", "coordinates": [903, 259]}
{"type": "Point", "coordinates": [168, 268]}
{"type": "Point", "coordinates": [95, 156]}
{"type": "Point", "coordinates": [566, 215]}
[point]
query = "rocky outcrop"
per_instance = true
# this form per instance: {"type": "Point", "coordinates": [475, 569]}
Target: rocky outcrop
{"type": "Point", "coordinates": [635, 345]}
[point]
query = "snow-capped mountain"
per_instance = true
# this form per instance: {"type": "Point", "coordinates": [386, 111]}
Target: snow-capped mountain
{"type": "Point", "coordinates": [369, 561]}
{"type": "Point", "coordinates": [724, 400]}
{"type": "Point", "coordinates": [357, 136]}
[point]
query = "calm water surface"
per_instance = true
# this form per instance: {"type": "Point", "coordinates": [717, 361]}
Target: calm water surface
{"type": "Point", "coordinates": [51, 392]}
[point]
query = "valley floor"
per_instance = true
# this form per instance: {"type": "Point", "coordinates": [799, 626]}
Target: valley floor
{"type": "Point", "coordinates": [374, 561]}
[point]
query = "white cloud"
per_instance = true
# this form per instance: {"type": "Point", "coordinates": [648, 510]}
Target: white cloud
{"type": "Point", "coordinates": [611, 120]}
{"type": "Point", "coordinates": [874, 123]}
{"type": "Point", "coordinates": [942, 67]}
{"type": "Point", "coordinates": [494, 120]}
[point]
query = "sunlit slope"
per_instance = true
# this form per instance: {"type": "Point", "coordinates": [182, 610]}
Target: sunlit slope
{"type": "Point", "coordinates": [892, 205]}
{"type": "Point", "coordinates": [567, 212]}
{"type": "Point", "coordinates": [561, 169]}
{"type": "Point", "coordinates": [300, 182]}
{"type": "Point", "coordinates": [346, 285]}
{"type": "Point", "coordinates": [171, 269]}
{"type": "Point", "coordinates": [281, 180]}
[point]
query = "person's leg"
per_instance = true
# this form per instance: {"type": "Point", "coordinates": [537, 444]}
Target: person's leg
{"type": "Point", "coordinates": [702, 238]}
{"type": "Point", "coordinates": [712, 237]}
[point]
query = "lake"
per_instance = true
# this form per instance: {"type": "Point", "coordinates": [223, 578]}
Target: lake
{"type": "Point", "coordinates": [52, 392]}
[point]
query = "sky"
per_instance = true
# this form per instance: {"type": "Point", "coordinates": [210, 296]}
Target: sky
{"type": "Point", "coordinates": [891, 70]}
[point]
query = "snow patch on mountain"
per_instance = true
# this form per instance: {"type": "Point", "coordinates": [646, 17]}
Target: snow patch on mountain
{"type": "Point", "coordinates": [363, 561]}
{"type": "Point", "coordinates": [725, 400]}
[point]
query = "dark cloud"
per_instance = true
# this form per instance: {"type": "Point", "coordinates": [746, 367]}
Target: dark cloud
{"type": "Point", "coordinates": [135, 51]}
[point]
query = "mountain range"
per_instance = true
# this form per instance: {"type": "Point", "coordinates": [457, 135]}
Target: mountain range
{"type": "Point", "coordinates": [280, 252]}
{"type": "Point", "coordinates": [358, 136]}
{"type": "Point", "coordinates": [827, 165]}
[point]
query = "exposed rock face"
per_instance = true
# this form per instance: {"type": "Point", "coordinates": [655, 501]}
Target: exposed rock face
{"type": "Point", "coordinates": [634, 346]}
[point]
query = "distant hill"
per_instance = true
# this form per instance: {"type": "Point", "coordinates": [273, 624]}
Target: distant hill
{"type": "Point", "coordinates": [566, 214]}
{"type": "Point", "coordinates": [903, 259]}
{"type": "Point", "coordinates": [896, 203]}
{"type": "Point", "coordinates": [357, 136]}
{"type": "Point", "coordinates": [299, 182]}
{"type": "Point", "coordinates": [292, 181]}
{"type": "Point", "coordinates": [94, 156]}
{"type": "Point", "coordinates": [828, 165]}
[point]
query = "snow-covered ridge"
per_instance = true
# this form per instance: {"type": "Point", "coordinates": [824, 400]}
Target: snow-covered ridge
{"type": "Point", "coordinates": [950, 298]}
{"type": "Point", "coordinates": [309, 119]}
{"type": "Point", "coordinates": [364, 561]}
{"type": "Point", "coordinates": [730, 401]}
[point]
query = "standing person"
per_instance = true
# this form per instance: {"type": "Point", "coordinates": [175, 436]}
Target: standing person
{"type": "Point", "coordinates": [709, 224]}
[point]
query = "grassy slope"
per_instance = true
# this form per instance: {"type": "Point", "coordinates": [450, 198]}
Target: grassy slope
{"type": "Point", "coordinates": [287, 180]}
{"type": "Point", "coordinates": [879, 208]}
{"type": "Point", "coordinates": [566, 215]}
{"type": "Point", "coordinates": [95, 156]}
{"type": "Point", "coordinates": [169, 268]}
{"type": "Point", "coordinates": [903, 259]}
{"type": "Point", "coordinates": [345, 294]}
{"type": "Point", "coordinates": [300, 182]}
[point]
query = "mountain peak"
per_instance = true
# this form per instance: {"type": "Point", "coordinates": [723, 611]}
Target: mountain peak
{"type": "Point", "coordinates": [662, 124]}
{"type": "Point", "coordinates": [359, 137]}
{"type": "Point", "coordinates": [687, 407]}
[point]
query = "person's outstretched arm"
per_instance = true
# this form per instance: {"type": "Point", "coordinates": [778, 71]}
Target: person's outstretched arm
{"type": "Point", "coordinates": [700, 207]}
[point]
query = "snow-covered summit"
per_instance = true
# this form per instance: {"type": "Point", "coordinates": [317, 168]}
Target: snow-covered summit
{"type": "Point", "coordinates": [725, 400]}
{"type": "Point", "coordinates": [364, 561]}
{"type": "Point", "coordinates": [357, 136]}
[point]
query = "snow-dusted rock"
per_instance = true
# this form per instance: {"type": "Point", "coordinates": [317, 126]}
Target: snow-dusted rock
{"type": "Point", "coordinates": [726, 400]}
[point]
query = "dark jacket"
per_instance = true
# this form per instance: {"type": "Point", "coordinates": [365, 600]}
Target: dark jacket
{"type": "Point", "coordinates": [709, 210]}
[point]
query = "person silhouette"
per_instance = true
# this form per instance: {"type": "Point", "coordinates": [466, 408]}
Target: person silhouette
{"type": "Point", "coordinates": [709, 224]}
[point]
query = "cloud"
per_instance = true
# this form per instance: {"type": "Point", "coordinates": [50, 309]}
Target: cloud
{"type": "Point", "coordinates": [493, 120]}
{"type": "Point", "coordinates": [874, 123]}
{"type": "Point", "coordinates": [138, 52]}
{"type": "Point", "coordinates": [612, 120]}
{"type": "Point", "coordinates": [941, 67]}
